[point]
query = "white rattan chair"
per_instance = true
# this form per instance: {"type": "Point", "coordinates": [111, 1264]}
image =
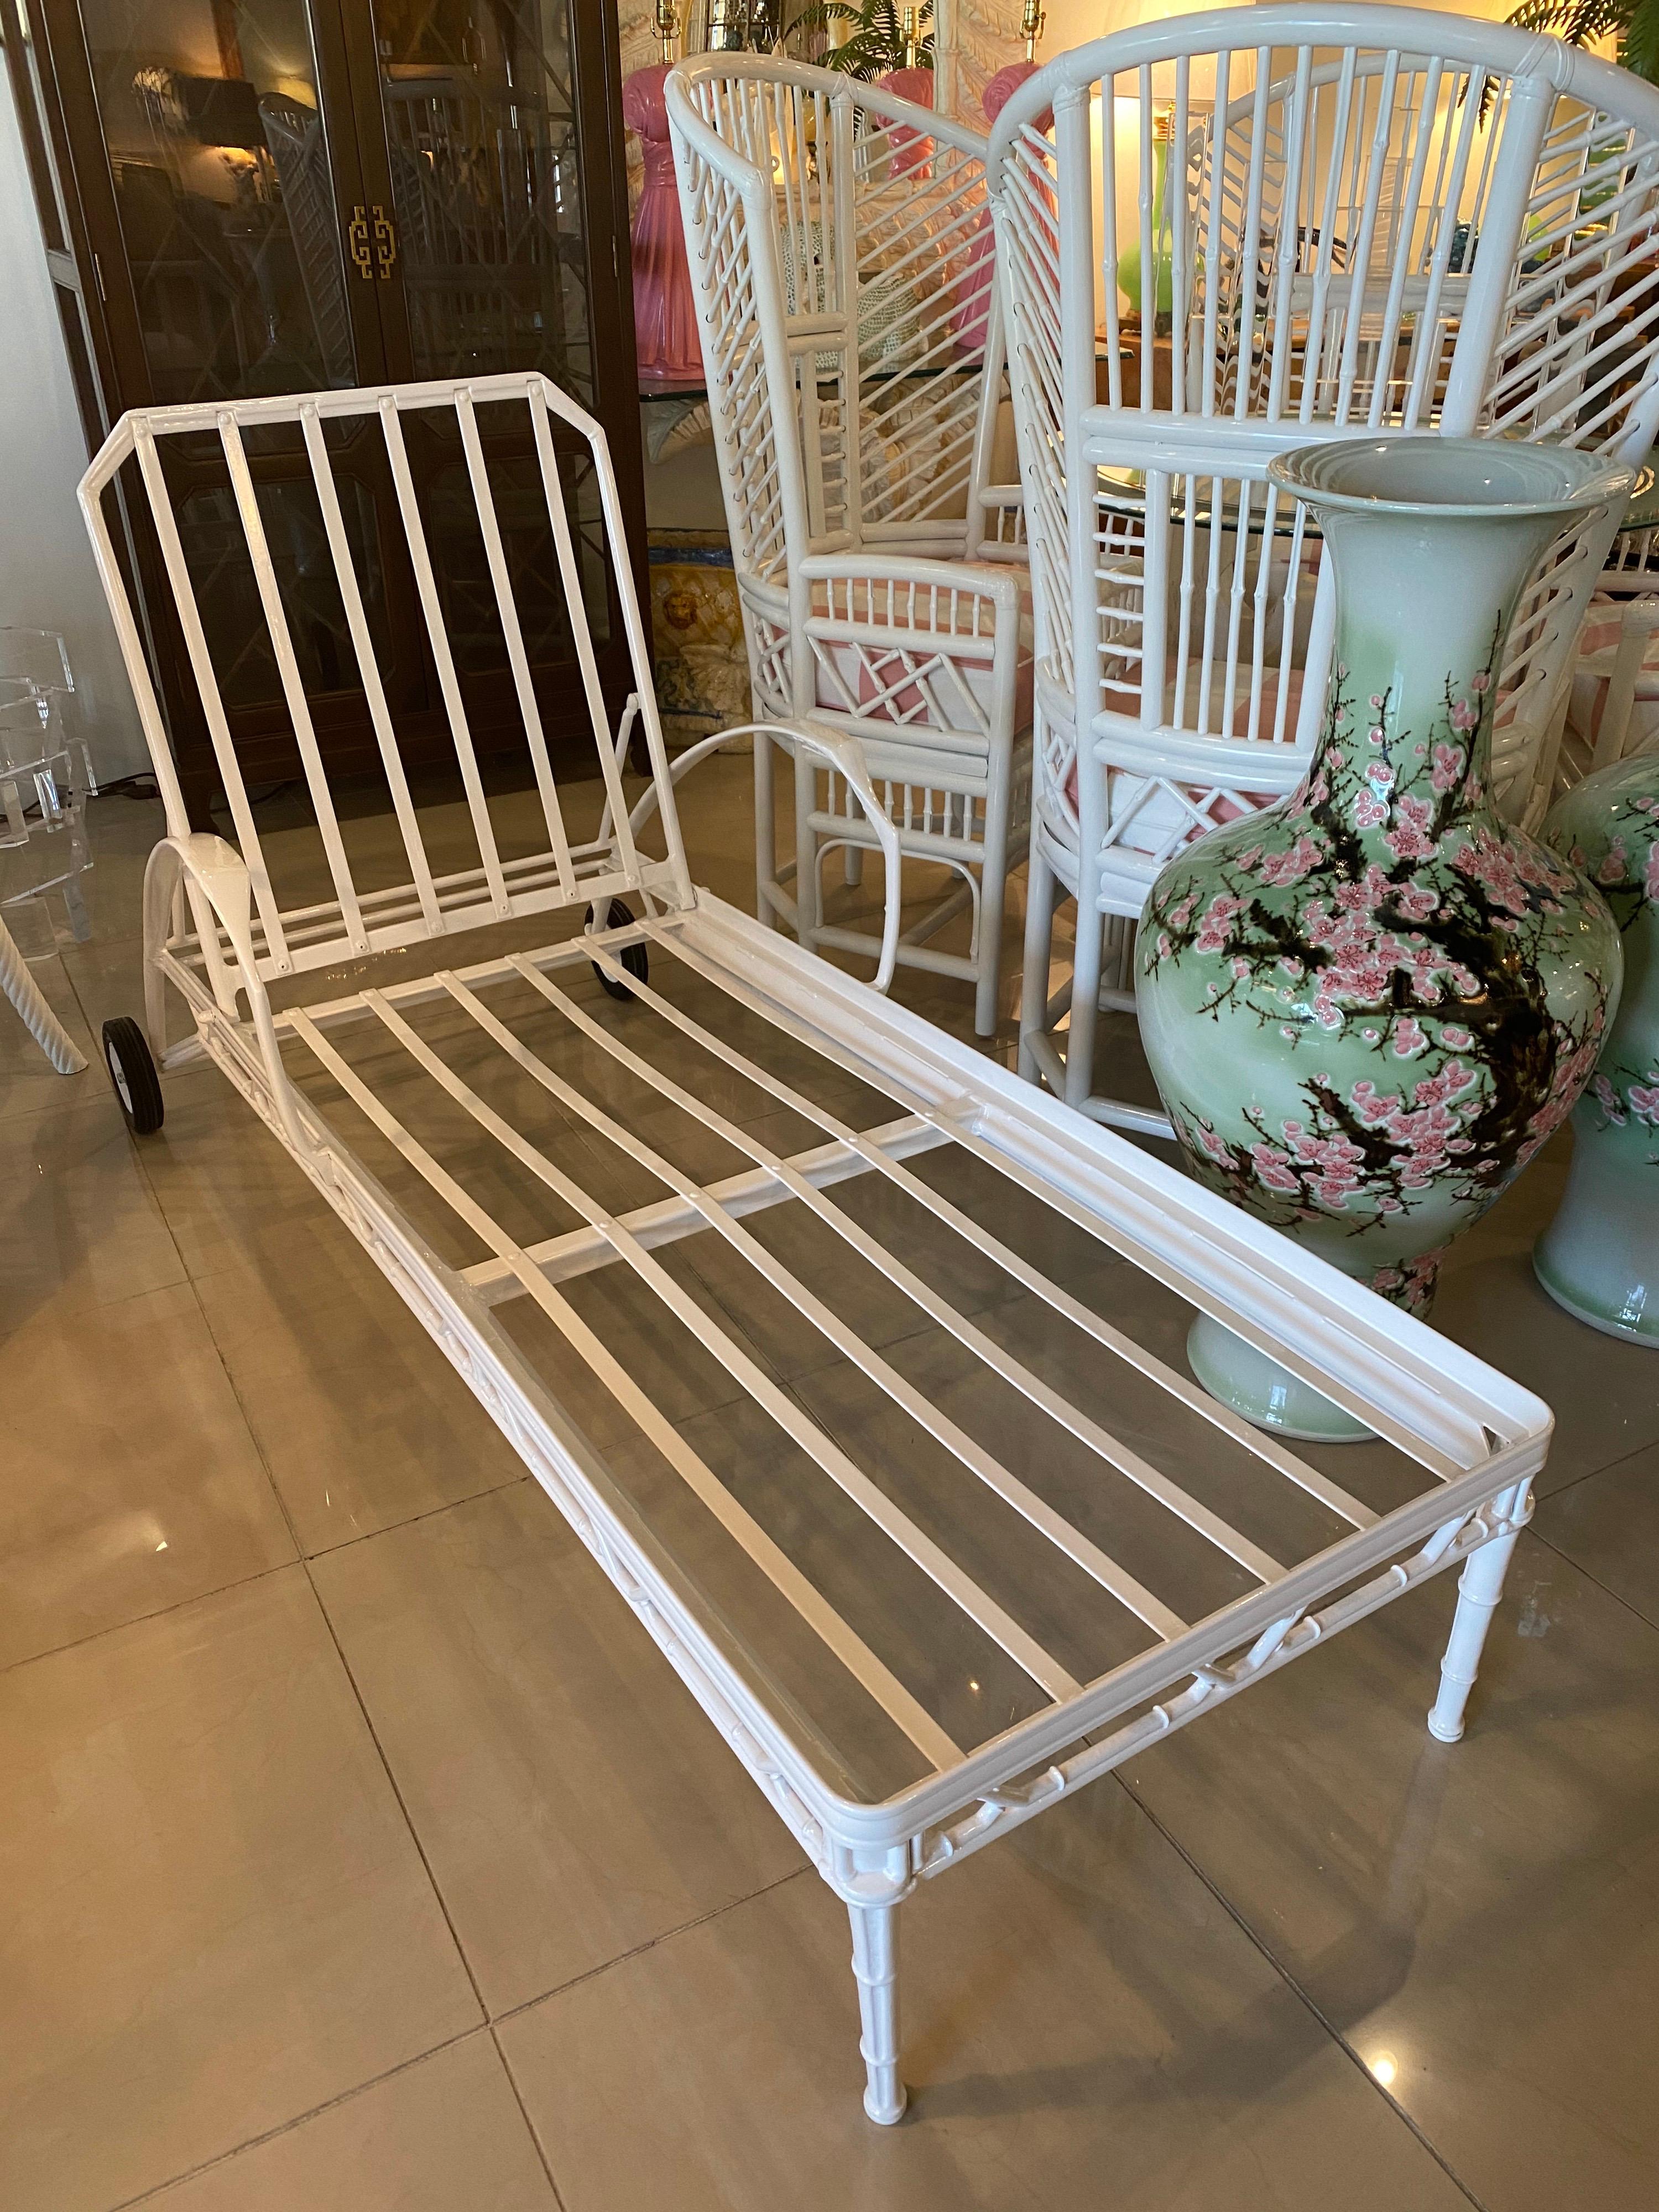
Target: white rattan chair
{"type": "Point", "coordinates": [1378, 217]}
{"type": "Point", "coordinates": [841, 261]}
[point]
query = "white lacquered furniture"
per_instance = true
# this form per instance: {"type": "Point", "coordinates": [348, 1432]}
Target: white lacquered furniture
{"type": "Point", "coordinates": [842, 258]}
{"type": "Point", "coordinates": [1370, 218]}
{"type": "Point", "coordinates": [1040, 1554]}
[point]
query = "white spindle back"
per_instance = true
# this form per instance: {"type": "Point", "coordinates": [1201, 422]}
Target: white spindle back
{"type": "Point", "coordinates": [1369, 218]}
{"type": "Point", "coordinates": [843, 266]}
{"type": "Point", "coordinates": [365, 914]}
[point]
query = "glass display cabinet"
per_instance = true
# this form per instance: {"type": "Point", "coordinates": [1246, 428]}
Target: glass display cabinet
{"type": "Point", "coordinates": [243, 197]}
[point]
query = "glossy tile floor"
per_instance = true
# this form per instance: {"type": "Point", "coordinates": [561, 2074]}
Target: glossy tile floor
{"type": "Point", "coordinates": [358, 1850]}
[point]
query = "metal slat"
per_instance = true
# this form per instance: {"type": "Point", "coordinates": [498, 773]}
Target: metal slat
{"type": "Point", "coordinates": [368, 666]}
{"type": "Point", "coordinates": [513, 630]}
{"type": "Point", "coordinates": [213, 706]}
{"type": "Point", "coordinates": [427, 586]}
{"type": "Point", "coordinates": [288, 672]}
{"type": "Point", "coordinates": [888, 1691]}
{"type": "Point", "coordinates": [570, 576]}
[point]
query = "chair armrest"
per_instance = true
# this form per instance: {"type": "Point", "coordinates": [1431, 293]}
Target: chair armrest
{"type": "Point", "coordinates": [843, 753]}
{"type": "Point", "coordinates": [216, 874]}
{"type": "Point", "coordinates": [923, 570]}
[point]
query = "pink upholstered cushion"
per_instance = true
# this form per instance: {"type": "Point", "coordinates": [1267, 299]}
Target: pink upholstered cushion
{"type": "Point", "coordinates": [906, 707]}
{"type": "Point", "coordinates": [1126, 702]}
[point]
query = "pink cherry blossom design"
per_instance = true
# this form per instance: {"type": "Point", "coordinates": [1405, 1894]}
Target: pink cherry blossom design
{"type": "Point", "coordinates": [1615, 866]}
{"type": "Point", "coordinates": [1212, 935]}
{"type": "Point", "coordinates": [1283, 868]}
{"type": "Point", "coordinates": [1448, 767]}
{"type": "Point", "coordinates": [1608, 1100]}
{"type": "Point", "coordinates": [1409, 1037]}
{"type": "Point", "coordinates": [1482, 682]}
{"type": "Point", "coordinates": [1466, 715]}
{"type": "Point", "coordinates": [1644, 1101]}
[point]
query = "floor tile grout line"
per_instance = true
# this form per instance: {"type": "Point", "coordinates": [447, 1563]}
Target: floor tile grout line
{"type": "Point", "coordinates": [1589, 1473]}
{"type": "Point", "coordinates": [141, 1620]}
{"type": "Point", "coordinates": [414, 1520]}
{"type": "Point", "coordinates": [649, 1943]}
{"type": "Point", "coordinates": [1303, 1995]}
{"type": "Point", "coordinates": [287, 2127]}
{"type": "Point", "coordinates": [1607, 1589]}
{"type": "Point", "coordinates": [396, 1792]}
{"type": "Point", "coordinates": [524, 2110]}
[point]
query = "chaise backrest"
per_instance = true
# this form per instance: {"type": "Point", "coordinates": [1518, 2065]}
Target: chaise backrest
{"type": "Point", "coordinates": [376, 903]}
{"type": "Point", "coordinates": [842, 263]}
{"type": "Point", "coordinates": [1355, 217]}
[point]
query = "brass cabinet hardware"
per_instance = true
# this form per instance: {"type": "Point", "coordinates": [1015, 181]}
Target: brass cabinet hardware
{"type": "Point", "coordinates": [358, 245]}
{"type": "Point", "coordinates": [386, 241]}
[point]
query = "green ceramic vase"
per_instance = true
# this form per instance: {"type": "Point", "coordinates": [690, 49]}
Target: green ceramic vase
{"type": "Point", "coordinates": [1367, 1007]}
{"type": "Point", "coordinates": [1600, 1256]}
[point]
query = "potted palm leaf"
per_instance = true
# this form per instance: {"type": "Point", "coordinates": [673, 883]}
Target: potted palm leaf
{"type": "Point", "coordinates": [1633, 23]}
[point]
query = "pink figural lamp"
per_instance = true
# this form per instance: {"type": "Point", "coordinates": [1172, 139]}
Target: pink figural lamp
{"type": "Point", "coordinates": [909, 150]}
{"type": "Point", "coordinates": [665, 319]}
{"type": "Point", "coordinates": [975, 291]}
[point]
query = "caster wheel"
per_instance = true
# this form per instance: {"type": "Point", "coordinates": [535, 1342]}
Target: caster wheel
{"type": "Point", "coordinates": [132, 1070]}
{"type": "Point", "coordinates": [632, 956]}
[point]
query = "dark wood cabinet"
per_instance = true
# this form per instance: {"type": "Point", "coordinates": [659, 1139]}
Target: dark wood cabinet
{"type": "Point", "coordinates": [242, 197]}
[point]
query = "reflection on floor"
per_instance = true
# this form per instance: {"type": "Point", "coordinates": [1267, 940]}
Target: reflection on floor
{"type": "Point", "coordinates": [359, 1851]}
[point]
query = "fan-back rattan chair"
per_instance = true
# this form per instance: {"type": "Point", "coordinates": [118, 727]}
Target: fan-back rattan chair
{"type": "Point", "coordinates": [842, 258]}
{"type": "Point", "coordinates": [1360, 218]}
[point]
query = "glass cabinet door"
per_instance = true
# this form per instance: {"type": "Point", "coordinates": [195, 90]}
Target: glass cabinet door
{"type": "Point", "coordinates": [290, 194]}
{"type": "Point", "coordinates": [500, 236]}
{"type": "Point", "coordinates": [483, 148]}
{"type": "Point", "coordinates": [219, 154]}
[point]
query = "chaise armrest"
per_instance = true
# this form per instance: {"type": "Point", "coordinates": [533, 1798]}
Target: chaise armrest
{"type": "Point", "coordinates": [220, 889]}
{"type": "Point", "coordinates": [843, 754]}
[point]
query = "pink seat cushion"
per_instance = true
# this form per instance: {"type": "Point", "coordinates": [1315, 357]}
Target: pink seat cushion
{"type": "Point", "coordinates": [1601, 635]}
{"type": "Point", "coordinates": [1125, 701]}
{"type": "Point", "coordinates": [906, 705]}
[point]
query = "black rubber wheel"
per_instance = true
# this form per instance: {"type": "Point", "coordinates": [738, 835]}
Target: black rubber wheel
{"type": "Point", "coordinates": [618, 914]}
{"type": "Point", "coordinates": [132, 1070]}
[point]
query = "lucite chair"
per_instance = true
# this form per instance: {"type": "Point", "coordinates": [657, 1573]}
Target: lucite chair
{"type": "Point", "coordinates": [45, 777]}
{"type": "Point", "coordinates": [842, 256]}
{"type": "Point", "coordinates": [1353, 218]}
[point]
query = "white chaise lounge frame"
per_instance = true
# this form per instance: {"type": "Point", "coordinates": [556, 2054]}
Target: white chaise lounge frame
{"type": "Point", "coordinates": [1469, 1440]}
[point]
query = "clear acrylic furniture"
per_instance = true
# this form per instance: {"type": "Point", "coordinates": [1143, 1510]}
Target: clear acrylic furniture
{"type": "Point", "coordinates": [1038, 1550]}
{"type": "Point", "coordinates": [1371, 218]}
{"type": "Point", "coordinates": [45, 777]}
{"type": "Point", "coordinates": [840, 252]}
